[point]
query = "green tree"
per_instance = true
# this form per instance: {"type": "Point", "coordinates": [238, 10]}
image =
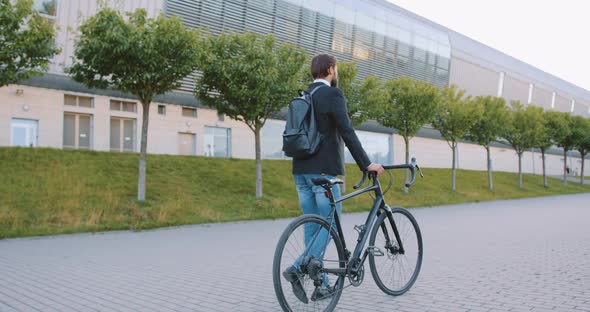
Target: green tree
{"type": "Point", "coordinates": [489, 127]}
{"type": "Point", "coordinates": [406, 105]}
{"type": "Point", "coordinates": [141, 56]}
{"type": "Point", "coordinates": [523, 130]}
{"type": "Point", "coordinates": [561, 131]}
{"type": "Point", "coordinates": [581, 138]}
{"type": "Point", "coordinates": [26, 41]}
{"type": "Point", "coordinates": [455, 116]}
{"type": "Point", "coordinates": [550, 118]}
{"type": "Point", "coordinates": [248, 77]}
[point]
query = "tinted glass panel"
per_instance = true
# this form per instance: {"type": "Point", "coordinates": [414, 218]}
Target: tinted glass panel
{"type": "Point", "coordinates": [377, 146]}
{"type": "Point", "coordinates": [48, 7]}
{"type": "Point", "coordinates": [84, 132]}
{"type": "Point", "coordinates": [19, 136]}
{"type": "Point", "coordinates": [272, 140]}
{"type": "Point", "coordinates": [115, 134]}
{"type": "Point", "coordinates": [69, 131]}
{"type": "Point", "coordinates": [129, 107]}
{"type": "Point", "coordinates": [70, 100]}
{"type": "Point", "coordinates": [217, 142]}
{"type": "Point", "coordinates": [128, 137]}
{"type": "Point", "coordinates": [115, 105]}
{"type": "Point", "coordinates": [84, 101]}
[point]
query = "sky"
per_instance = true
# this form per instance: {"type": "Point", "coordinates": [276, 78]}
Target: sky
{"type": "Point", "coordinates": [550, 35]}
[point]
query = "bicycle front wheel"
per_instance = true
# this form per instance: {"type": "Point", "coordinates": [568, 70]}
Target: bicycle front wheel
{"type": "Point", "coordinates": [311, 246]}
{"type": "Point", "coordinates": [396, 267]}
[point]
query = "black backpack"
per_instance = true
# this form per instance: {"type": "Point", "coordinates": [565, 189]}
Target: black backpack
{"type": "Point", "coordinates": [301, 138]}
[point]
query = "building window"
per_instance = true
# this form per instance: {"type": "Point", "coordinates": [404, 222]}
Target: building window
{"type": "Point", "coordinates": [48, 10]}
{"type": "Point", "coordinates": [162, 109]}
{"type": "Point", "coordinates": [272, 139]}
{"type": "Point", "coordinates": [77, 131]}
{"type": "Point", "coordinates": [217, 142]}
{"type": "Point", "coordinates": [46, 7]}
{"type": "Point", "coordinates": [122, 135]}
{"type": "Point", "coordinates": [377, 146]}
{"type": "Point", "coordinates": [189, 112]}
{"type": "Point", "coordinates": [123, 106]}
{"type": "Point", "coordinates": [80, 101]}
{"type": "Point", "coordinates": [23, 132]}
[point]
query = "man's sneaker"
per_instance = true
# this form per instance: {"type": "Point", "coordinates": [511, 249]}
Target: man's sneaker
{"type": "Point", "coordinates": [323, 292]}
{"type": "Point", "coordinates": [293, 276]}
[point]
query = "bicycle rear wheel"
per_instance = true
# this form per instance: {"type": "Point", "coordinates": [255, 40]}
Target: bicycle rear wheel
{"type": "Point", "coordinates": [397, 269]}
{"type": "Point", "coordinates": [292, 248]}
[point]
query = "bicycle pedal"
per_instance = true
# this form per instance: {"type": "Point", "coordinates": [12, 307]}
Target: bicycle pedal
{"type": "Point", "coordinates": [375, 251]}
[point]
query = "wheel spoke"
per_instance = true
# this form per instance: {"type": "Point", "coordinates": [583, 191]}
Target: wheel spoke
{"type": "Point", "coordinates": [394, 272]}
{"type": "Point", "coordinates": [292, 245]}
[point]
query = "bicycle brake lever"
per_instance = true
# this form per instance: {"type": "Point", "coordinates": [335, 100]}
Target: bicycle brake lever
{"type": "Point", "coordinates": [420, 171]}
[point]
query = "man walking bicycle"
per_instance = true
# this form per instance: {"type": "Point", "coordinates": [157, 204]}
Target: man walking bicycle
{"type": "Point", "coordinates": [333, 123]}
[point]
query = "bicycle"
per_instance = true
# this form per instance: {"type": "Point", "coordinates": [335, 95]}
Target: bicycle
{"type": "Point", "coordinates": [394, 235]}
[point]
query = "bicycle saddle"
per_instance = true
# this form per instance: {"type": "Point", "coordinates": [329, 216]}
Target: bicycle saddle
{"type": "Point", "coordinates": [326, 181]}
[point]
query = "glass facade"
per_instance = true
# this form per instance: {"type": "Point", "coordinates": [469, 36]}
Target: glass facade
{"type": "Point", "coordinates": [380, 39]}
{"type": "Point", "coordinates": [377, 145]}
{"type": "Point", "coordinates": [272, 140]}
{"type": "Point", "coordinates": [217, 142]}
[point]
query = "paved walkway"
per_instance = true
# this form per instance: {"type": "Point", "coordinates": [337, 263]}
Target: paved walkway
{"type": "Point", "coordinates": [520, 255]}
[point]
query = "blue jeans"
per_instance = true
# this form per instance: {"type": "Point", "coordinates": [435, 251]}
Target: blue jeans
{"type": "Point", "coordinates": [313, 200]}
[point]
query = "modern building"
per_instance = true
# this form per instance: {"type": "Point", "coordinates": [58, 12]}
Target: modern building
{"type": "Point", "coordinates": [382, 38]}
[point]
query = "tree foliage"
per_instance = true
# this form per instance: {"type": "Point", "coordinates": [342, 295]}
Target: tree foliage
{"type": "Point", "coordinates": [27, 41]}
{"type": "Point", "coordinates": [456, 114]}
{"type": "Point", "coordinates": [525, 127]}
{"type": "Point", "coordinates": [407, 105]}
{"type": "Point", "coordinates": [581, 139]}
{"type": "Point", "coordinates": [248, 77]}
{"type": "Point", "coordinates": [523, 131]}
{"type": "Point", "coordinates": [454, 117]}
{"type": "Point", "coordinates": [361, 96]}
{"type": "Point", "coordinates": [137, 55]}
{"type": "Point", "coordinates": [489, 127]}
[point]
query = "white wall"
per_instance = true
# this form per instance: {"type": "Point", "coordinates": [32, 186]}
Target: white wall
{"type": "Point", "coordinates": [47, 107]}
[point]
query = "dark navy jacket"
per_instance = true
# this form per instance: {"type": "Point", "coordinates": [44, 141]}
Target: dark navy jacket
{"type": "Point", "coordinates": [333, 122]}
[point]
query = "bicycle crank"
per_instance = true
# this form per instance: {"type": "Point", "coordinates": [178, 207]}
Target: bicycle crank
{"type": "Point", "coordinates": [356, 278]}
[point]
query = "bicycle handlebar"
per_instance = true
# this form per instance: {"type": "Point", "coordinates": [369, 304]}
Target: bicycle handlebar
{"type": "Point", "coordinates": [412, 166]}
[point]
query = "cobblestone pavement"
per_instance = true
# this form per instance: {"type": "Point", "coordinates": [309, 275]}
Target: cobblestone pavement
{"type": "Point", "coordinates": [517, 255]}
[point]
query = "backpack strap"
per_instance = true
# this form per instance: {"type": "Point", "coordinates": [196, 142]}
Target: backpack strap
{"type": "Point", "coordinates": [316, 88]}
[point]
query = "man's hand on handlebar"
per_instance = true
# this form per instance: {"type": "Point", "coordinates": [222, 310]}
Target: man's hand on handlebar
{"type": "Point", "coordinates": [378, 168]}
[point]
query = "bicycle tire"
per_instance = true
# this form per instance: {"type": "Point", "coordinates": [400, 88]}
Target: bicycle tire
{"type": "Point", "coordinates": [278, 266]}
{"type": "Point", "coordinates": [400, 214]}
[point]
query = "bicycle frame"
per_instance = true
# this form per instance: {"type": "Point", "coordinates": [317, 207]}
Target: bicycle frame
{"type": "Point", "coordinates": [378, 205]}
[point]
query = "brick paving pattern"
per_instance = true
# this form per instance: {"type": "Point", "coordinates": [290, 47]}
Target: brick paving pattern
{"type": "Point", "coordinates": [518, 255]}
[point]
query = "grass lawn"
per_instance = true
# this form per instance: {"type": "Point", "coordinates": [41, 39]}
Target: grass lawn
{"type": "Point", "coordinates": [50, 191]}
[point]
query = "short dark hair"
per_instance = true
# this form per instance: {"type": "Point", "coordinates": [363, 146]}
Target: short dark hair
{"type": "Point", "coordinates": [320, 64]}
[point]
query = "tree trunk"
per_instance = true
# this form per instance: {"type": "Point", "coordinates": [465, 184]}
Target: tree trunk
{"type": "Point", "coordinates": [490, 182]}
{"type": "Point", "coordinates": [143, 151]}
{"type": "Point", "coordinates": [407, 142]}
{"type": "Point", "coordinates": [454, 170]}
{"type": "Point", "coordinates": [258, 163]}
{"type": "Point", "coordinates": [564, 167]}
{"type": "Point", "coordinates": [582, 173]}
{"type": "Point", "coordinates": [545, 183]}
{"type": "Point", "coordinates": [520, 170]}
